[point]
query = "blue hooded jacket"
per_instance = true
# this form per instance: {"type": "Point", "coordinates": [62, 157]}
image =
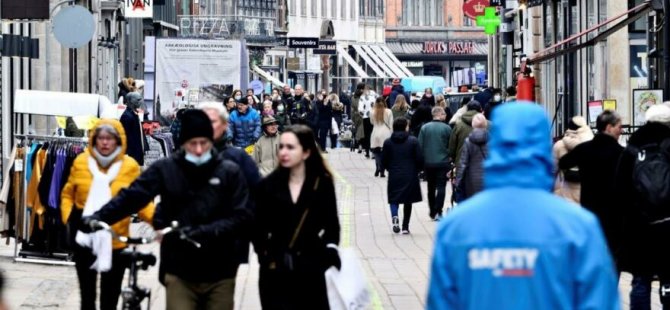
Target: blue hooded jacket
{"type": "Point", "coordinates": [515, 245]}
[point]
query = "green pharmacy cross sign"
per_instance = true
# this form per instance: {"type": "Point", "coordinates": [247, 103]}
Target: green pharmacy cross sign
{"type": "Point", "coordinates": [490, 21]}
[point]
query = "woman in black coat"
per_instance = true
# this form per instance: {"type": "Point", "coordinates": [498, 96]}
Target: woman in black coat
{"type": "Point", "coordinates": [297, 229]}
{"type": "Point", "coordinates": [403, 159]}
{"type": "Point", "coordinates": [470, 172]}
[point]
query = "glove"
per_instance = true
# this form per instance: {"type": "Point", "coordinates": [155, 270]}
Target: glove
{"type": "Point", "coordinates": [89, 224]}
{"type": "Point", "coordinates": [333, 258]}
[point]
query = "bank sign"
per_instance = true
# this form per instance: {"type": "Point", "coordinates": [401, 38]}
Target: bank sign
{"type": "Point", "coordinates": [453, 47]}
{"type": "Point", "coordinates": [139, 8]}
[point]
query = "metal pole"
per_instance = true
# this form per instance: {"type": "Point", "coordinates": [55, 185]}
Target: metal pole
{"type": "Point", "coordinates": [666, 49]}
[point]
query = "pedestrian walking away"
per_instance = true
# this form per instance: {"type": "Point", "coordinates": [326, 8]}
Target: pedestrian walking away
{"type": "Point", "coordinates": [403, 159]}
{"type": "Point", "coordinates": [568, 183]}
{"type": "Point", "coordinates": [515, 242]}
{"type": "Point", "coordinates": [434, 142]}
{"type": "Point", "coordinates": [470, 173]}
{"type": "Point", "coordinates": [207, 195]}
{"type": "Point", "coordinates": [382, 122]}
{"type": "Point", "coordinates": [97, 176]}
{"type": "Point", "coordinates": [297, 230]}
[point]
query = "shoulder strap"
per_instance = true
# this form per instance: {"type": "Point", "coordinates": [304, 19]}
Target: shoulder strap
{"type": "Point", "coordinates": [296, 233]}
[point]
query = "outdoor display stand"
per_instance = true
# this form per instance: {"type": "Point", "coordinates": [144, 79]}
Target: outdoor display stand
{"type": "Point", "coordinates": [48, 104]}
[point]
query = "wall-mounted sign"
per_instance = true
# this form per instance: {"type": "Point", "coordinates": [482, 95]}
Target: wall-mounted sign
{"type": "Point", "coordinates": [139, 9]}
{"type": "Point", "coordinates": [228, 27]}
{"type": "Point", "coordinates": [454, 47]}
{"type": "Point", "coordinates": [609, 104]}
{"type": "Point", "coordinates": [595, 108]}
{"type": "Point", "coordinates": [303, 42]}
{"type": "Point", "coordinates": [326, 47]}
{"type": "Point", "coordinates": [490, 21]}
{"type": "Point", "coordinates": [474, 8]}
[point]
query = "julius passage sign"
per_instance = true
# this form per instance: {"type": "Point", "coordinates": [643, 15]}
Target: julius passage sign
{"type": "Point", "coordinates": [139, 8]}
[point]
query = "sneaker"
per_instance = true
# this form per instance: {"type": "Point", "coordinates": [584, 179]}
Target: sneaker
{"type": "Point", "coordinates": [405, 231]}
{"type": "Point", "coordinates": [396, 225]}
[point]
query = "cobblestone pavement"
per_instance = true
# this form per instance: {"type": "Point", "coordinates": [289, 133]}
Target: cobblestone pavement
{"type": "Point", "coordinates": [397, 266]}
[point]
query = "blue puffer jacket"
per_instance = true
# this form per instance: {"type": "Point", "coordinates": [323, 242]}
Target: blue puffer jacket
{"type": "Point", "coordinates": [246, 128]}
{"type": "Point", "coordinates": [515, 245]}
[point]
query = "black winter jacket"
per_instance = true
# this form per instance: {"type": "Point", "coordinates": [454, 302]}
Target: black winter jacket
{"type": "Point", "coordinates": [597, 161]}
{"type": "Point", "coordinates": [402, 157]}
{"type": "Point", "coordinates": [642, 246]}
{"type": "Point", "coordinates": [470, 172]}
{"type": "Point", "coordinates": [211, 199]}
{"type": "Point", "coordinates": [278, 217]}
{"type": "Point", "coordinates": [134, 135]}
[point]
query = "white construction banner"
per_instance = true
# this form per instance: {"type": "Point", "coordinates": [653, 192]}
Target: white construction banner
{"type": "Point", "coordinates": [189, 71]}
{"type": "Point", "coordinates": [139, 8]}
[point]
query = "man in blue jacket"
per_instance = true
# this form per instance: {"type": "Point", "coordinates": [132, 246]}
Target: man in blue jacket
{"type": "Point", "coordinates": [515, 245]}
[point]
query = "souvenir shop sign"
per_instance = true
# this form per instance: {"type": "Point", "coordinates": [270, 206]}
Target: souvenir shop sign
{"type": "Point", "coordinates": [453, 47]}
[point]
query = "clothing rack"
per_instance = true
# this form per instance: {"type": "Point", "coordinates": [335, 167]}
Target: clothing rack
{"type": "Point", "coordinates": [27, 256]}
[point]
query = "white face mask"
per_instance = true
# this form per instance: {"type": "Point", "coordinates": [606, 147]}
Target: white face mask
{"type": "Point", "coordinates": [497, 98]}
{"type": "Point", "coordinates": [238, 98]}
{"type": "Point", "coordinates": [199, 160]}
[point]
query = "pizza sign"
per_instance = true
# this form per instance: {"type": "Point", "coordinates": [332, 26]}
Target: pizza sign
{"type": "Point", "coordinates": [139, 8]}
{"type": "Point", "coordinates": [474, 8]}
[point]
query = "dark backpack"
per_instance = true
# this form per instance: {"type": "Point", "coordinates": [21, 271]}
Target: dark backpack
{"type": "Point", "coordinates": [651, 180]}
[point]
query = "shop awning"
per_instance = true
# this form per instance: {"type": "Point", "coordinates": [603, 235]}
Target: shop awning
{"type": "Point", "coordinates": [371, 63]}
{"type": "Point", "coordinates": [360, 71]}
{"type": "Point", "coordinates": [267, 76]}
{"type": "Point", "coordinates": [563, 47]}
{"type": "Point", "coordinates": [384, 59]}
{"type": "Point", "coordinates": [384, 49]}
{"type": "Point", "coordinates": [58, 103]}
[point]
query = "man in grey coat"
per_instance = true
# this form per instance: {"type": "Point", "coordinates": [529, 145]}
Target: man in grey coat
{"type": "Point", "coordinates": [434, 142]}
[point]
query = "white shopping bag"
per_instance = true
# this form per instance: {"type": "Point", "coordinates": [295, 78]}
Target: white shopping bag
{"type": "Point", "coordinates": [334, 129]}
{"type": "Point", "coordinates": [347, 288]}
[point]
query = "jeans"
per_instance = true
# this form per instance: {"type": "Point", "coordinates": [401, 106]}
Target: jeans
{"type": "Point", "coordinates": [110, 281]}
{"type": "Point", "coordinates": [367, 130]}
{"type": "Point", "coordinates": [324, 129]}
{"type": "Point", "coordinates": [437, 187]}
{"type": "Point", "coordinates": [184, 295]}
{"type": "Point", "coordinates": [378, 159]}
{"type": "Point", "coordinates": [407, 213]}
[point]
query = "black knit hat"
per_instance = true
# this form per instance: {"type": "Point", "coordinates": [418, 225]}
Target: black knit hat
{"type": "Point", "coordinates": [195, 124]}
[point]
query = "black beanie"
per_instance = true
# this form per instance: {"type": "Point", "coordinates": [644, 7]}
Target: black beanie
{"type": "Point", "coordinates": [195, 124]}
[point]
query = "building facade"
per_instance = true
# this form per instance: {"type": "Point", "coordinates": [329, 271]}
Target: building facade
{"type": "Point", "coordinates": [434, 37]}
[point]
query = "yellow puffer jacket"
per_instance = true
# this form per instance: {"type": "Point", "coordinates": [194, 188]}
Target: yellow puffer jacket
{"type": "Point", "coordinates": [78, 184]}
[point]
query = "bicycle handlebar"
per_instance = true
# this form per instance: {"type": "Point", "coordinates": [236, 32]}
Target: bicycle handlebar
{"type": "Point", "coordinates": [133, 240]}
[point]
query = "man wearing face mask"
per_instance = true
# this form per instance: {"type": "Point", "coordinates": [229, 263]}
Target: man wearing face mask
{"type": "Point", "coordinates": [131, 121]}
{"type": "Point", "coordinates": [207, 195]}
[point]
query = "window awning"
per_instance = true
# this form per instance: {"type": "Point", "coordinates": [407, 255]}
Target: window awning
{"type": "Point", "coordinates": [380, 62]}
{"type": "Point", "coordinates": [59, 103]}
{"type": "Point", "coordinates": [556, 50]}
{"type": "Point", "coordinates": [401, 70]}
{"type": "Point", "coordinates": [383, 58]}
{"type": "Point", "coordinates": [343, 52]}
{"type": "Point", "coordinates": [267, 76]}
{"type": "Point", "coordinates": [371, 63]}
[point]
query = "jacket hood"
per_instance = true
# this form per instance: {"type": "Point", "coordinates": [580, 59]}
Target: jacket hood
{"type": "Point", "coordinates": [572, 138]}
{"type": "Point", "coordinates": [399, 136]}
{"type": "Point", "coordinates": [519, 148]}
{"type": "Point", "coordinates": [479, 136]}
{"type": "Point", "coordinates": [119, 128]}
{"type": "Point", "coordinates": [468, 116]}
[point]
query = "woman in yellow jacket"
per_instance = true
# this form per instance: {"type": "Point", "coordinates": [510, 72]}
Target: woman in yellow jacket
{"type": "Point", "coordinates": [97, 175]}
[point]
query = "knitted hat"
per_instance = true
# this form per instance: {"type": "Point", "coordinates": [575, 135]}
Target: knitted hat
{"type": "Point", "coordinates": [479, 121]}
{"type": "Point", "coordinates": [659, 113]}
{"type": "Point", "coordinates": [195, 124]}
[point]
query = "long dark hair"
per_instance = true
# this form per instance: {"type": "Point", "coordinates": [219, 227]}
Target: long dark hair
{"type": "Point", "coordinates": [360, 88]}
{"type": "Point", "coordinates": [315, 164]}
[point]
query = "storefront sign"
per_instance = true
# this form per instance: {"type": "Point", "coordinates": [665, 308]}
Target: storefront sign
{"type": "Point", "coordinates": [326, 47]}
{"type": "Point", "coordinates": [303, 42]}
{"type": "Point", "coordinates": [474, 8]}
{"type": "Point", "coordinates": [227, 27]}
{"type": "Point", "coordinates": [139, 9]}
{"type": "Point", "coordinates": [457, 48]}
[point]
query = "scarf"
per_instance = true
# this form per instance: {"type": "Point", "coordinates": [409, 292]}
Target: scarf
{"type": "Point", "coordinates": [105, 161]}
{"type": "Point", "coordinates": [100, 242]}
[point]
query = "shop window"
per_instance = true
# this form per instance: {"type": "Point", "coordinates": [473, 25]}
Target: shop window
{"type": "Point", "coordinates": [343, 7]}
{"type": "Point", "coordinates": [639, 25]}
{"type": "Point", "coordinates": [324, 8]}
{"type": "Point", "coordinates": [303, 7]}
{"type": "Point", "coordinates": [333, 8]}
{"type": "Point", "coordinates": [549, 18]}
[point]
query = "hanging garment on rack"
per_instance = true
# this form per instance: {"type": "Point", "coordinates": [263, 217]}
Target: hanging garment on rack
{"type": "Point", "coordinates": [7, 187]}
{"type": "Point", "coordinates": [32, 196]}
{"type": "Point", "coordinates": [29, 159]}
{"type": "Point", "coordinates": [54, 189]}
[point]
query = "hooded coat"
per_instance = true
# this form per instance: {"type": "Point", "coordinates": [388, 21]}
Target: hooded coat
{"type": "Point", "coordinates": [642, 250]}
{"type": "Point", "coordinates": [461, 131]}
{"type": "Point", "coordinates": [401, 156]}
{"type": "Point", "coordinates": [515, 245]}
{"type": "Point", "coordinates": [398, 90]}
{"type": "Point", "coordinates": [75, 192]}
{"type": "Point", "coordinates": [470, 172]}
